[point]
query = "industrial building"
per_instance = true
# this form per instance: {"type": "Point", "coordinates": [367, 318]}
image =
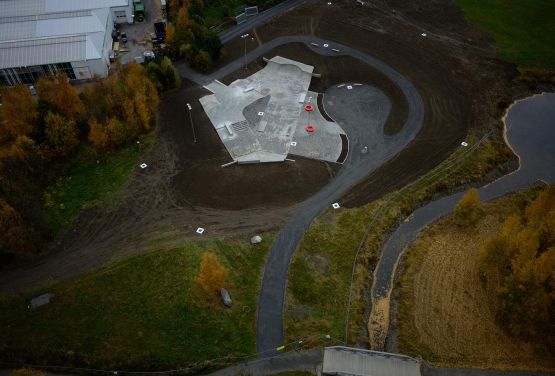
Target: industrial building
{"type": "Point", "coordinates": [348, 361]}
{"type": "Point", "coordinates": [41, 37]}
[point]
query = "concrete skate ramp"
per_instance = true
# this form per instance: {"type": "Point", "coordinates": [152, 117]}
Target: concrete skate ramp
{"type": "Point", "coordinates": [258, 117]}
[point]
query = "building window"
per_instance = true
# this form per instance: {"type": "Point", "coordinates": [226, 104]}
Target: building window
{"type": "Point", "coordinates": [67, 69]}
{"type": "Point", "coordinates": [4, 81]}
{"type": "Point", "coordinates": [24, 75]}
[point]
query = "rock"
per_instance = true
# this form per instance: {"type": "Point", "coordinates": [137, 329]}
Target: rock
{"type": "Point", "coordinates": [257, 239]}
{"type": "Point", "coordinates": [40, 300]}
{"type": "Point", "coordinates": [226, 298]}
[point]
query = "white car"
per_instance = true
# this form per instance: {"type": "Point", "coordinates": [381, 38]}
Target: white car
{"type": "Point", "coordinates": [149, 55]}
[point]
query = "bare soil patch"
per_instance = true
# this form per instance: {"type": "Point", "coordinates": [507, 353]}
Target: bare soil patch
{"type": "Point", "coordinates": [185, 187]}
{"type": "Point", "coordinates": [200, 179]}
{"type": "Point", "coordinates": [444, 311]}
{"type": "Point", "coordinates": [453, 69]}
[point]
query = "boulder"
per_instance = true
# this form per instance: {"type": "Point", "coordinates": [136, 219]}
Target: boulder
{"type": "Point", "coordinates": [226, 298]}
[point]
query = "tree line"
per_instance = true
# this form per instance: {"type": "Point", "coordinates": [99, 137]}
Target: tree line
{"type": "Point", "coordinates": [188, 37]}
{"type": "Point", "coordinates": [37, 132]}
{"type": "Point", "coordinates": [517, 266]}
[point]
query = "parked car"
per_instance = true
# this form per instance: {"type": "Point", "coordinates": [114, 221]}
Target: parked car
{"type": "Point", "coordinates": [149, 55]}
{"type": "Point", "coordinates": [123, 37]}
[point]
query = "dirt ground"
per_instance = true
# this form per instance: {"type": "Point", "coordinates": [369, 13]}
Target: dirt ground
{"type": "Point", "coordinates": [445, 313]}
{"type": "Point", "coordinates": [453, 69]}
{"type": "Point", "coordinates": [185, 187]}
{"type": "Point", "coordinates": [243, 186]}
{"type": "Point", "coordinates": [200, 179]}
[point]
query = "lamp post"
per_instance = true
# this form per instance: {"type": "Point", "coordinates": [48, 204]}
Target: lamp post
{"type": "Point", "coordinates": [191, 119]}
{"type": "Point", "coordinates": [244, 37]}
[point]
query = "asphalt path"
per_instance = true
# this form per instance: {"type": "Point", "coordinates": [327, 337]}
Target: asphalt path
{"type": "Point", "coordinates": [356, 119]}
{"type": "Point", "coordinates": [530, 131]}
{"type": "Point", "coordinates": [278, 10]}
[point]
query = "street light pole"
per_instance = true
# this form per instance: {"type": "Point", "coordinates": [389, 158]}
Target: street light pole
{"type": "Point", "coordinates": [244, 37]}
{"type": "Point", "coordinates": [191, 119]}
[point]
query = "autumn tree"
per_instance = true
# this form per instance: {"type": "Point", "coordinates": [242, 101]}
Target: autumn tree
{"type": "Point", "coordinates": [213, 275]}
{"type": "Point", "coordinates": [18, 112]}
{"type": "Point", "coordinates": [58, 92]}
{"type": "Point", "coordinates": [183, 16]}
{"type": "Point", "coordinates": [519, 268]}
{"type": "Point", "coordinates": [13, 230]}
{"type": "Point", "coordinates": [170, 35]}
{"type": "Point", "coordinates": [163, 75]}
{"type": "Point", "coordinates": [173, 8]}
{"type": "Point", "coordinates": [202, 61]}
{"type": "Point", "coordinates": [468, 209]}
{"type": "Point", "coordinates": [61, 134]}
{"type": "Point", "coordinates": [129, 102]}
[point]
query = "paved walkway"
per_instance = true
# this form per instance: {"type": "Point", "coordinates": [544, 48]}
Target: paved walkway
{"type": "Point", "coordinates": [531, 134]}
{"type": "Point", "coordinates": [269, 332]}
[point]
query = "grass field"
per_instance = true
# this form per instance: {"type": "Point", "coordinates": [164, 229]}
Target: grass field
{"type": "Point", "coordinates": [85, 183]}
{"type": "Point", "coordinates": [142, 313]}
{"type": "Point", "coordinates": [320, 273]}
{"type": "Point", "coordinates": [444, 313]}
{"type": "Point", "coordinates": [524, 30]}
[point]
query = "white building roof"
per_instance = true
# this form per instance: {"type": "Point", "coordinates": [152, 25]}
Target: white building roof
{"type": "Point", "coordinates": [346, 361]}
{"type": "Point", "coordinates": [14, 8]}
{"type": "Point", "coordinates": [36, 32]}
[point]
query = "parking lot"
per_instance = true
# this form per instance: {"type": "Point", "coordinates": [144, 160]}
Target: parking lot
{"type": "Point", "coordinates": [139, 34]}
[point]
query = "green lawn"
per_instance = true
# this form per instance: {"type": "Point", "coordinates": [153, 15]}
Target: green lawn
{"type": "Point", "coordinates": [524, 30]}
{"type": "Point", "coordinates": [320, 273]}
{"type": "Point", "coordinates": [142, 313]}
{"type": "Point", "coordinates": [84, 183]}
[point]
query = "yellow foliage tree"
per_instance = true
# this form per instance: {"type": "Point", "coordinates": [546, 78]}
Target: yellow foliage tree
{"type": "Point", "coordinates": [117, 134]}
{"type": "Point", "coordinates": [61, 134]}
{"type": "Point", "coordinates": [18, 112]}
{"type": "Point", "coordinates": [213, 275]}
{"type": "Point", "coordinates": [183, 16]}
{"type": "Point", "coordinates": [124, 105]}
{"type": "Point", "coordinates": [59, 92]}
{"type": "Point", "coordinates": [97, 135]}
{"type": "Point", "coordinates": [468, 208]}
{"type": "Point", "coordinates": [519, 267]}
{"type": "Point", "coordinates": [170, 35]}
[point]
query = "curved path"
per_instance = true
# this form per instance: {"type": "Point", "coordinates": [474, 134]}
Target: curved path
{"type": "Point", "coordinates": [362, 131]}
{"type": "Point", "coordinates": [530, 132]}
{"type": "Point", "coordinates": [357, 165]}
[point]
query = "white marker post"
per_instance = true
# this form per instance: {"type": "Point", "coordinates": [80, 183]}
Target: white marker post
{"type": "Point", "coordinates": [191, 119]}
{"type": "Point", "coordinates": [244, 37]}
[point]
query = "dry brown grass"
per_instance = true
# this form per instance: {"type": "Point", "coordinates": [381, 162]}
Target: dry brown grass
{"type": "Point", "coordinates": [444, 314]}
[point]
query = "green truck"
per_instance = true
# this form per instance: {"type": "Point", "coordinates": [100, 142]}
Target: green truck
{"type": "Point", "coordinates": [139, 11]}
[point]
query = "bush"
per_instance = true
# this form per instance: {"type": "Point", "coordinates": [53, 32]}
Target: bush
{"type": "Point", "coordinates": [163, 74]}
{"type": "Point", "coordinates": [468, 209]}
{"type": "Point", "coordinates": [213, 275]}
{"type": "Point", "coordinates": [61, 134]}
{"type": "Point", "coordinates": [202, 61]}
